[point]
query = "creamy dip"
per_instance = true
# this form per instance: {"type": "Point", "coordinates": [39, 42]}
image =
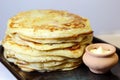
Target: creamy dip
{"type": "Point", "coordinates": [99, 50]}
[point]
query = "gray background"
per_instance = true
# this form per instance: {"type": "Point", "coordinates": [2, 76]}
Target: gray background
{"type": "Point", "coordinates": [104, 15]}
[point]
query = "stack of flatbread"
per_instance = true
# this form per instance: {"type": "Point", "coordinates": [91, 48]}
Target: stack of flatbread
{"type": "Point", "coordinates": [46, 40]}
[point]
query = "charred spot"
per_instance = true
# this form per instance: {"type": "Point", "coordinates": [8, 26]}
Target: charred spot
{"type": "Point", "coordinates": [74, 47]}
{"type": "Point", "coordinates": [11, 25]}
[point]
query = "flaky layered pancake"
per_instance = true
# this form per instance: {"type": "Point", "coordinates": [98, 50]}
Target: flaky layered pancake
{"type": "Point", "coordinates": [41, 46]}
{"type": "Point", "coordinates": [49, 46]}
{"type": "Point", "coordinates": [72, 52]}
{"type": "Point", "coordinates": [63, 67]}
{"type": "Point", "coordinates": [9, 56]}
{"type": "Point", "coordinates": [29, 58]}
{"type": "Point", "coordinates": [57, 40]}
{"type": "Point", "coordinates": [48, 24]}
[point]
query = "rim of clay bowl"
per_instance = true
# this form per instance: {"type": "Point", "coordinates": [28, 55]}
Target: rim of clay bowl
{"type": "Point", "coordinates": [105, 46]}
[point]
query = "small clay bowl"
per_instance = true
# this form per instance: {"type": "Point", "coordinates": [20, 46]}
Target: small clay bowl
{"type": "Point", "coordinates": [100, 63]}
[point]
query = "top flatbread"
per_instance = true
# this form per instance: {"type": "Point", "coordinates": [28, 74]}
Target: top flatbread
{"type": "Point", "coordinates": [48, 24]}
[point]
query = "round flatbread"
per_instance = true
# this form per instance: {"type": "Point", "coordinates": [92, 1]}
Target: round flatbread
{"type": "Point", "coordinates": [58, 40]}
{"type": "Point", "coordinates": [28, 58]}
{"type": "Point", "coordinates": [72, 52]}
{"type": "Point", "coordinates": [48, 24]}
{"type": "Point", "coordinates": [41, 46]}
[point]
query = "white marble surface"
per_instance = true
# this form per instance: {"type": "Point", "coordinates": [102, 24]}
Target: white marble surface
{"type": "Point", "coordinates": [111, 38]}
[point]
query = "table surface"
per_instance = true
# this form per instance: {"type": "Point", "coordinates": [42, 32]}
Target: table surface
{"type": "Point", "coordinates": [111, 38]}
